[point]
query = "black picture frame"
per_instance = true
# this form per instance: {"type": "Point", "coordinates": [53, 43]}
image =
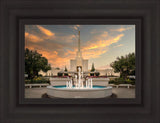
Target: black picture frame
{"type": "Point", "coordinates": [144, 14]}
{"type": "Point", "coordinates": [134, 21]}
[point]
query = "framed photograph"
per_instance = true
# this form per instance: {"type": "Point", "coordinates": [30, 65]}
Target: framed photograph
{"type": "Point", "coordinates": [72, 61]}
{"type": "Point", "coordinates": [80, 61]}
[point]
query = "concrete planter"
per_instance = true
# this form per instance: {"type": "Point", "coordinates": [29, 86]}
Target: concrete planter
{"type": "Point", "coordinates": [79, 93]}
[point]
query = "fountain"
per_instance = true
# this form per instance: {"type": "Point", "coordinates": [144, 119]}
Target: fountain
{"type": "Point", "coordinates": [79, 89]}
{"type": "Point", "coordinates": [79, 81]}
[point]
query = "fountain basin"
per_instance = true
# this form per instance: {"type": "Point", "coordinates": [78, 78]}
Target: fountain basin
{"type": "Point", "coordinates": [94, 92]}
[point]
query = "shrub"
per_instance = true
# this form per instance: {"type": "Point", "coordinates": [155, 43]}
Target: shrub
{"type": "Point", "coordinates": [91, 74]}
{"type": "Point", "coordinates": [97, 73]}
{"type": "Point", "coordinates": [27, 81]}
{"type": "Point", "coordinates": [40, 75]}
{"type": "Point", "coordinates": [65, 74]}
{"type": "Point", "coordinates": [111, 82]}
{"type": "Point", "coordinates": [112, 76]}
{"type": "Point", "coordinates": [122, 81]}
{"type": "Point", "coordinates": [37, 80]}
{"type": "Point", "coordinates": [60, 74]}
{"type": "Point", "coordinates": [129, 81]}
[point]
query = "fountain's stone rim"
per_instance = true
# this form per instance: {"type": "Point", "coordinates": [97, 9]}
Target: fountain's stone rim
{"type": "Point", "coordinates": [79, 93]}
{"type": "Point", "coordinates": [79, 89]}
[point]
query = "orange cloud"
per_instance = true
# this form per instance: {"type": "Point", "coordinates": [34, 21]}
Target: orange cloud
{"type": "Point", "coordinates": [32, 38]}
{"type": "Point", "coordinates": [99, 47]}
{"type": "Point", "coordinates": [121, 29]}
{"type": "Point", "coordinates": [53, 57]}
{"type": "Point", "coordinates": [104, 35]}
{"type": "Point", "coordinates": [104, 43]}
{"type": "Point", "coordinates": [88, 54]}
{"type": "Point", "coordinates": [55, 60]}
{"type": "Point", "coordinates": [59, 56]}
{"type": "Point", "coordinates": [45, 31]}
{"type": "Point", "coordinates": [70, 54]}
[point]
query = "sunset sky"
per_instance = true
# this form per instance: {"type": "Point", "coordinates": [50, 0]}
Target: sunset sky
{"type": "Point", "coordinates": [100, 44]}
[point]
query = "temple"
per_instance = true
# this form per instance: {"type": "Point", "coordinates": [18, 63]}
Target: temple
{"type": "Point", "coordinates": [79, 61]}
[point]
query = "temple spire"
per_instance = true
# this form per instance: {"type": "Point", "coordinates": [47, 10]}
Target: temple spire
{"type": "Point", "coordinates": [79, 42]}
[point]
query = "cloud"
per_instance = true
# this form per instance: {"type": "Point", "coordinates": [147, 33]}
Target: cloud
{"type": "Point", "coordinates": [66, 39]}
{"type": "Point", "coordinates": [98, 45]}
{"type": "Point", "coordinates": [47, 46]}
{"type": "Point", "coordinates": [95, 31]}
{"type": "Point", "coordinates": [103, 43]}
{"type": "Point", "coordinates": [59, 55]}
{"type": "Point", "coordinates": [56, 53]}
{"type": "Point", "coordinates": [88, 54]}
{"type": "Point", "coordinates": [54, 58]}
{"type": "Point", "coordinates": [45, 31]}
{"type": "Point", "coordinates": [121, 29]}
{"type": "Point", "coordinates": [32, 38]}
{"type": "Point", "coordinates": [59, 49]}
{"type": "Point", "coordinates": [120, 45]}
{"type": "Point", "coordinates": [37, 37]}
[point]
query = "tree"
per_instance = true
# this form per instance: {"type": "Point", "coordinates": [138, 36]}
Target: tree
{"type": "Point", "coordinates": [60, 74]}
{"type": "Point", "coordinates": [97, 73]}
{"type": "Point", "coordinates": [125, 65]}
{"type": "Point", "coordinates": [65, 69]}
{"type": "Point", "coordinates": [65, 74]}
{"type": "Point", "coordinates": [34, 62]}
{"type": "Point", "coordinates": [57, 68]}
{"type": "Point", "coordinates": [92, 69]}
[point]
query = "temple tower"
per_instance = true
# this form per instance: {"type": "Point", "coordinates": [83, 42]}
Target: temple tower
{"type": "Point", "coordinates": [79, 61]}
{"type": "Point", "coordinates": [79, 58]}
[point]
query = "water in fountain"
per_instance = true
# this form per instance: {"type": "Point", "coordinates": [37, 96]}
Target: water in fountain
{"type": "Point", "coordinates": [79, 81]}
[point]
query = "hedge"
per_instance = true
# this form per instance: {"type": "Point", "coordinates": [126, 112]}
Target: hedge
{"type": "Point", "coordinates": [37, 80]}
{"type": "Point", "coordinates": [118, 81]}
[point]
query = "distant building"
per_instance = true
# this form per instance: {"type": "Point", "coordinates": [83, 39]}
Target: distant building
{"type": "Point", "coordinates": [107, 72]}
{"type": "Point", "coordinates": [52, 72]}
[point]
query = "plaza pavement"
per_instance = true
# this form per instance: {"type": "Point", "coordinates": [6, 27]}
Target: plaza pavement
{"type": "Point", "coordinates": [119, 92]}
